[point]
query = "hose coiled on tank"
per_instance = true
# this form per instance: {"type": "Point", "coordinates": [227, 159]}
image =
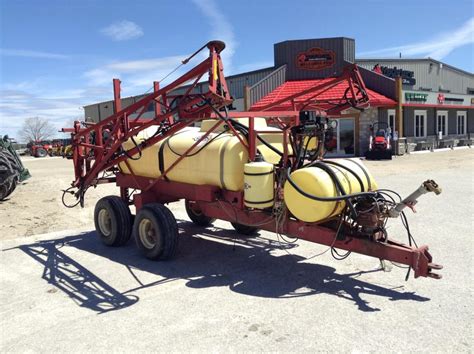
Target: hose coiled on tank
{"type": "Point", "coordinates": [339, 187]}
{"type": "Point", "coordinates": [336, 181]}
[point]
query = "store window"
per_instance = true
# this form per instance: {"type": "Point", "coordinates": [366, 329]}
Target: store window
{"type": "Point", "coordinates": [442, 122]}
{"type": "Point", "coordinates": [420, 124]}
{"type": "Point", "coordinates": [391, 121]}
{"type": "Point", "coordinates": [461, 122]}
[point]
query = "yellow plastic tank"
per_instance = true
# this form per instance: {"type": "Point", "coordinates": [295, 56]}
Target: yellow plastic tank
{"type": "Point", "coordinates": [217, 161]}
{"type": "Point", "coordinates": [258, 185]}
{"type": "Point", "coordinates": [317, 182]}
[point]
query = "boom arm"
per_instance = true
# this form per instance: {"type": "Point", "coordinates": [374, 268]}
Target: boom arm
{"type": "Point", "coordinates": [98, 147]}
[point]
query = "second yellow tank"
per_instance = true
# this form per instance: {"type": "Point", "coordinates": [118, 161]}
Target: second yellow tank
{"type": "Point", "coordinates": [316, 181]}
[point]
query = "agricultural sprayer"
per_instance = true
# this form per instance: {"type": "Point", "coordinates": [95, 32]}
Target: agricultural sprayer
{"type": "Point", "coordinates": [257, 169]}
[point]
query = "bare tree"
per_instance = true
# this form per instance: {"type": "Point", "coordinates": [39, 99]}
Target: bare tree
{"type": "Point", "coordinates": [37, 129]}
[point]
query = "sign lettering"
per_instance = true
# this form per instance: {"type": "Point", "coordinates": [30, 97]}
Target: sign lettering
{"type": "Point", "coordinates": [416, 97]}
{"type": "Point", "coordinates": [315, 59]}
{"type": "Point", "coordinates": [408, 77]}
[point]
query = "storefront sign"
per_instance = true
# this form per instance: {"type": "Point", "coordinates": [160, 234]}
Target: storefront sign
{"type": "Point", "coordinates": [408, 77]}
{"type": "Point", "coordinates": [416, 97]}
{"type": "Point", "coordinates": [454, 99]}
{"type": "Point", "coordinates": [315, 59]}
{"type": "Point", "coordinates": [443, 99]}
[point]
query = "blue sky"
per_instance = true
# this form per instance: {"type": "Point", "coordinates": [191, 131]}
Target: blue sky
{"type": "Point", "coordinates": [57, 56]}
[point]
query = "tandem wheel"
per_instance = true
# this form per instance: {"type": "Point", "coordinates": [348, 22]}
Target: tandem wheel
{"type": "Point", "coordinates": [196, 215]}
{"type": "Point", "coordinates": [113, 220]}
{"type": "Point", "coordinates": [156, 232]}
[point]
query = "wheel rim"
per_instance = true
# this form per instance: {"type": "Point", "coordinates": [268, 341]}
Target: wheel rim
{"type": "Point", "coordinates": [105, 222]}
{"type": "Point", "coordinates": [147, 233]}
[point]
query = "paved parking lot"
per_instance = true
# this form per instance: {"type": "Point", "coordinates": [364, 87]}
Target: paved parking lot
{"type": "Point", "coordinates": [65, 291]}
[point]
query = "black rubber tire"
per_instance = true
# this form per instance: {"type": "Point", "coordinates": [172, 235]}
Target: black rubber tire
{"type": "Point", "coordinates": [165, 229]}
{"type": "Point", "coordinates": [244, 229]}
{"type": "Point", "coordinates": [40, 152]}
{"type": "Point", "coordinates": [120, 219]}
{"type": "Point", "coordinates": [196, 216]}
{"type": "Point", "coordinates": [7, 188]}
{"type": "Point", "coordinates": [9, 174]}
{"type": "Point", "coordinates": [12, 188]}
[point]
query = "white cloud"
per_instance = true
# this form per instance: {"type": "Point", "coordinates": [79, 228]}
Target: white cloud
{"type": "Point", "coordinates": [221, 30]}
{"type": "Point", "coordinates": [122, 31]}
{"type": "Point", "coordinates": [437, 47]}
{"type": "Point", "coordinates": [60, 109]}
{"type": "Point", "coordinates": [139, 74]}
{"type": "Point", "coordinates": [30, 54]}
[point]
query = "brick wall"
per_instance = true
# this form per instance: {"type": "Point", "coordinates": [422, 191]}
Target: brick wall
{"type": "Point", "coordinates": [367, 118]}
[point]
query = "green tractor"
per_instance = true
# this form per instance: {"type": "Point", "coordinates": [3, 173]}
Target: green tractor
{"type": "Point", "coordinates": [12, 170]}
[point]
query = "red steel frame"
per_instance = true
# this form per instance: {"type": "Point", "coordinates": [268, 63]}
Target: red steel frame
{"type": "Point", "coordinates": [105, 152]}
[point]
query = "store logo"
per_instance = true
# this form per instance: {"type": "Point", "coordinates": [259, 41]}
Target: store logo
{"type": "Point", "coordinates": [315, 59]}
{"type": "Point", "coordinates": [408, 77]}
{"type": "Point", "coordinates": [441, 98]}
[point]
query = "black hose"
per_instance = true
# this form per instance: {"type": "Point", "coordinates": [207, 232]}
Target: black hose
{"type": "Point", "coordinates": [268, 145]}
{"type": "Point", "coordinates": [242, 128]}
{"type": "Point", "coordinates": [362, 188]}
{"type": "Point", "coordinates": [68, 191]}
{"type": "Point", "coordinates": [301, 158]}
{"type": "Point", "coordinates": [338, 184]}
{"type": "Point", "coordinates": [369, 184]}
{"type": "Point", "coordinates": [139, 151]}
{"type": "Point", "coordinates": [326, 199]}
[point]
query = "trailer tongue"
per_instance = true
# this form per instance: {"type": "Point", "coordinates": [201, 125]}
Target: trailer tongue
{"type": "Point", "coordinates": [258, 170]}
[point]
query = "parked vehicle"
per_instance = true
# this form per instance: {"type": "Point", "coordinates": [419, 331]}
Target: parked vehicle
{"type": "Point", "coordinates": [39, 148]}
{"type": "Point", "coordinates": [380, 147]}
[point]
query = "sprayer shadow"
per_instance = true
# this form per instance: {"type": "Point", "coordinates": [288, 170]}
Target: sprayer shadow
{"type": "Point", "coordinates": [207, 258]}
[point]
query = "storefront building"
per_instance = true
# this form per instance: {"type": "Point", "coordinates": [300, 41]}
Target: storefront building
{"type": "Point", "coordinates": [437, 101]}
{"type": "Point", "coordinates": [428, 104]}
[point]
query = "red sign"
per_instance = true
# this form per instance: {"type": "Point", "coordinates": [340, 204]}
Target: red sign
{"type": "Point", "coordinates": [315, 59]}
{"type": "Point", "coordinates": [441, 98]}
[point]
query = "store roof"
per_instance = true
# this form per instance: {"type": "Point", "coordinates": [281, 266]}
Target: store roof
{"type": "Point", "coordinates": [335, 93]}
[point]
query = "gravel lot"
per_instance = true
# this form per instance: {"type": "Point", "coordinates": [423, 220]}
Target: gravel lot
{"type": "Point", "coordinates": [64, 291]}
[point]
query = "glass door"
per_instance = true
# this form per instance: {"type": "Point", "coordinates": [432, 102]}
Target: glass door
{"type": "Point", "coordinates": [391, 121]}
{"type": "Point", "coordinates": [442, 123]}
{"type": "Point", "coordinates": [342, 143]}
